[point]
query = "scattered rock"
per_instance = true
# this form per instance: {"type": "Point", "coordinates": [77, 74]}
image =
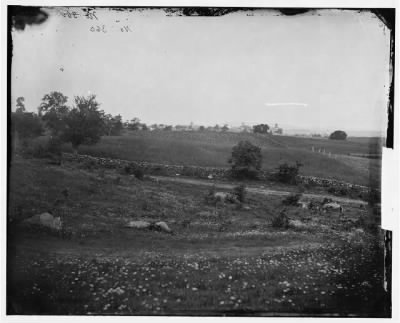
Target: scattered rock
{"type": "Point", "coordinates": [162, 226]}
{"type": "Point", "coordinates": [303, 205]}
{"type": "Point", "coordinates": [332, 206]}
{"type": "Point", "coordinates": [225, 197]}
{"type": "Point", "coordinates": [139, 224]}
{"type": "Point", "coordinates": [46, 220]}
{"type": "Point", "coordinates": [297, 224]}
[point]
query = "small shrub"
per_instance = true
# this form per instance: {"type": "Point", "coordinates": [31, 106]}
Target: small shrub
{"type": "Point", "coordinates": [292, 199]}
{"type": "Point", "coordinates": [133, 169]}
{"type": "Point", "coordinates": [88, 164]}
{"type": "Point", "coordinates": [332, 190]}
{"type": "Point", "coordinates": [373, 197]}
{"type": "Point", "coordinates": [288, 173]}
{"type": "Point", "coordinates": [344, 191]}
{"type": "Point", "coordinates": [280, 221]}
{"type": "Point", "coordinates": [326, 200]}
{"type": "Point", "coordinates": [246, 160]}
{"type": "Point", "coordinates": [240, 193]}
{"type": "Point", "coordinates": [210, 197]}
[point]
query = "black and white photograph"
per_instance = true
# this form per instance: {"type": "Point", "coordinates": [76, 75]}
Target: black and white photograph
{"type": "Point", "coordinates": [198, 161]}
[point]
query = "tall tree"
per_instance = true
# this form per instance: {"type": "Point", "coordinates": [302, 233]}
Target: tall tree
{"type": "Point", "coordinates": [338, 135]}
{"type": "Point", "coordinates": [261, 128]}
{"type": "Point", "coordinates": [246, 160]}
{"type": "Point", "coordinates": [83, 123]}
{"type": "Point", "coordinates": [20, 105]}
{"type": "Point", "coordinates": [53, 110]}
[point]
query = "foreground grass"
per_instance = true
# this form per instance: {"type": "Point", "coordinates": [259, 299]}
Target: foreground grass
{"type": "Point", "coordinates": [220, 261]}
{"type": "Point", "coordinates": [342, 280]}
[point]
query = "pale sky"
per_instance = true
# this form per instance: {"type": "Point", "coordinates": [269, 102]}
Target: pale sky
{"type": "Point", "coordinates": [326, 71]}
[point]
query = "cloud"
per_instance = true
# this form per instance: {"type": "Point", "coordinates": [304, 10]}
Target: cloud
{"type": "Point", "coordinates": [287, 104]}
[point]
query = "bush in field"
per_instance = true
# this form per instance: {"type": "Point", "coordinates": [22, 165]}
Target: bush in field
{"type": "Point", "coordinates": [246, 160]}
{"type": "Point", "coordinates": [27, 125]}
{"type": "Point", "coordinates": [261, 128]}
{"type": "Point", "coordinates": [373, 197]}
{"type": "Point", "coordinates": [240, 193]}
{"type": "Point", "coordinates": [292, 199]}
{"type": "Point", "coordinates": [133, 169]}
{"type": "Point", "coordinates": [338, 135]}
{"type": "Point", "coordinates": [288, 173]}
{"type": "Point", "coordinates": [51, 149]}
{"type": "Point", "coordinates": [280, 221]}
{"type": "Point", "coordinates": [210, 197]}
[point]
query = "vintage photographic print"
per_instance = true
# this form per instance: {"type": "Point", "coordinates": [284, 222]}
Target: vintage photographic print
{"type": "Point", "coordinates": [198, 161]}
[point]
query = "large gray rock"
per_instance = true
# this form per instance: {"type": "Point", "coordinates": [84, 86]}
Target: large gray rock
{"type": "Point", "coordinates": [225, 197]}
{"type": "Point", "coordinates": [297, 224]}
{"type": "Point", "coordinates": [139, 224]}
{"type": "Point", "coordinates": [46, 220]}
{"type": "Point", "coordinates": [332, 206]}
{"type": "Point", "coordinates": [162, 226]}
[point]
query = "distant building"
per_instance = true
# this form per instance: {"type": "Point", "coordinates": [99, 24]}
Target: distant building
{"type": "Point", "coordinates": [275, 130]}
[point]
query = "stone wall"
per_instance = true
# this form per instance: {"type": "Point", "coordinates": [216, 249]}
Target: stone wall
{"type": "Point", "coordinates": [202, 172]}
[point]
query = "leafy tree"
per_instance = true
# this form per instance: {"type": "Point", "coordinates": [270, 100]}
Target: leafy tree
{"type": "Point", "coordinates": [338, 135]}
{"type": "Point", "coordinates": [53, 111]}
{"type": "Point", "coordinates": [202, 128]}
{"type": "Point", "coordinates": [26, 124]}
{"type": "Point", "coordinates": [288, 173]}
{"type": "Point", "coordinates": [134, 124]}
{"type": "Point", "coordinates": [83, 123]}
{"type": "Point", "coordinates": [246, 160]}
{"type": "Point", "coordinates": [20, 105]}
{"type": "Point", "coordinates": [261, 128]}
{"type": "Point", "coordinates": [225, 128]}
{"type": "Point", "coordinates": [112, 125]}
{"type": "Point", "coordinates": [168, 128]}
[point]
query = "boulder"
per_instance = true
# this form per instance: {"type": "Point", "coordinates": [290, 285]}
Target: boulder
{"type": "Point", "coordinates": [139, 224]}
{"type": "Point", "coordinates": [162, 226]}
{"type": "Point", "coordinates": [225, 197]}
{"type": "Point", "coordinates": [332, 206]}
{"type": "Point", "coordinates": [46, 220]}
{"type": "Point", "coordinates": [297, 224]}
{"type": "Point", "coordinates": [303, 205]}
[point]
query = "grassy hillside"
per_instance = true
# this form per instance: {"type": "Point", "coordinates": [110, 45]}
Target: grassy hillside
{"type": "Point", "coordinates": [214, 149]}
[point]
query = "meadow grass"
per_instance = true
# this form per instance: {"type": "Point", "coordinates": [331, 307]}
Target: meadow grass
{"type": "Point", "coordinates": [249, 268]}
{"type": "Point", "coordinates": [214, 149]}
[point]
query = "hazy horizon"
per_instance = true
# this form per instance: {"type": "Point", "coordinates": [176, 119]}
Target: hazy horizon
{"type": "Point", "coordinates": [328, 70]}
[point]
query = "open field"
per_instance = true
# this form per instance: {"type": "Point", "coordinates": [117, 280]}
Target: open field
{"type": "Point", "coordinates": [221, 260]}
{"type": "Point", "coordinates": [214, 149]}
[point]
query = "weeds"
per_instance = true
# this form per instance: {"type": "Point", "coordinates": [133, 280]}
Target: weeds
{"type": "Point", "coordinates": [280, 221]}
{"type": "Point", "coordinates": [292, 199]}
{"type": "Point", "coordinates": [240, 193]}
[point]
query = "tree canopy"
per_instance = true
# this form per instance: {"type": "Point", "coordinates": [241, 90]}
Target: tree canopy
{"type": "Point", "coordinates": [246, 160]}
{"type": "Point", "coordinates": [84, 122]}
{"type": "Point", "coordinates": [338, 135]}
{"type": "Point", "coordinates": [261, 128]}
{"type": "Point", "coordinates": [53, 111]}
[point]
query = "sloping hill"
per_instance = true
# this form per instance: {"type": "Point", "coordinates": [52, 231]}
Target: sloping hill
{"type": "Point", "coordinates": [214, 149]}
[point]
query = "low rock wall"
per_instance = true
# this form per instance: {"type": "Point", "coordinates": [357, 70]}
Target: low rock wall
{"type": "Point", "coordinates": [201, 172]}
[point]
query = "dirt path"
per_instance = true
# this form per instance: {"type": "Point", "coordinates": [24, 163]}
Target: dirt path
{"type": "Point", "coordinates": [254, 189]}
